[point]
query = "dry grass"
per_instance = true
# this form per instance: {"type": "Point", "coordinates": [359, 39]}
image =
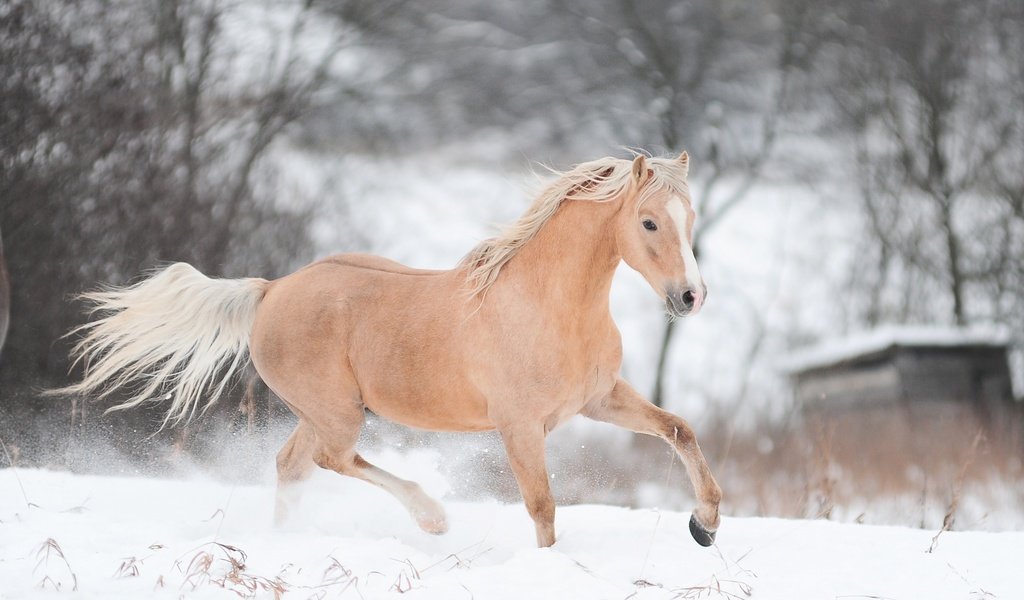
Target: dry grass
{"type": "Point", "coordinates": [224, 565]}
{"type": "Point", "coordinates": [922, 459]}
{"type": "Point", "coordinates": [336, 574]}
{"type": "Point", "coordinates": [51, 550]}
{"type": "Point", "coordinates": [12, 456]}
{"type": "Point", "coordinates": [132, 565]}
{"type": "Point", "coordinates": [234, 578]}
{"type": "Point", "coordinates": [958, 486]}
{"type": "Point", "coordinates": [720, 588]}
{"type": "Point", "coordinates": [129, 567]}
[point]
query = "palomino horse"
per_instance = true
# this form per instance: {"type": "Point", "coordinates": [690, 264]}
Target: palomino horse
{"type": "Point", "coordinates": [518, 337]}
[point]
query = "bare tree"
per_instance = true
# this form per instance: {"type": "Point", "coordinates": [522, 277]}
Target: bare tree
{"type": "Point", "coordinates": [918, 86]}
{"type": "Point", "coordinates": [136, 133]}
{"type": "Point", "coordinates": [1005, 178]}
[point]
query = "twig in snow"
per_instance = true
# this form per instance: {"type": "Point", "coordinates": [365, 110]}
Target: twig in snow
{"type": "Point", "coordinates": [129, 567]}
{"type": "Point", "coordinates": [17, 477]}
{"type": "Point", "coordinates": [714, 587]}
{"type": "Point", "coordinates": [978, 594]}
{"type": "Point", "coordinates": [958, 486]}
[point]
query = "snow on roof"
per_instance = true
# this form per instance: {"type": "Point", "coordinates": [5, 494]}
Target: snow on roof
{"type": "Point", "coordinates": [834, 351]}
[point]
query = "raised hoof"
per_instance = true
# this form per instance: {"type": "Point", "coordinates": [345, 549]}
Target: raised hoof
{"type": "Point", "coordinates": [702, 536]}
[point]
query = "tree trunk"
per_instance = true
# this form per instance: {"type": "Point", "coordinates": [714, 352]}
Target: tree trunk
{"type": "Point", "coordinates": [5, 296]}
{"type": "Point", "coordinates": [659, 375]}
{"type": "Point", "coordinates": [956, 276]}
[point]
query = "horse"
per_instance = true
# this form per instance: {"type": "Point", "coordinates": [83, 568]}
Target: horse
{"type": "Point", "coordinates": [517, 337]}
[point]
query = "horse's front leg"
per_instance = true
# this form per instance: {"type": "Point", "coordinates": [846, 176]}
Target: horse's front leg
{"type": "Point", "coordinates": [625, 407]}
{"type": "Point", "coordinates": [524, 444]}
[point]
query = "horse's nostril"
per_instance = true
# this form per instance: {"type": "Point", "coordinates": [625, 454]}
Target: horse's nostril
{"type": "Point", "coordinates": [688, 299]}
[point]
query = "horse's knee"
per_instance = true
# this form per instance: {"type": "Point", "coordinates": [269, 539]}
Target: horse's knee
{"type": "Point", "coordinates": [325, 459]}
{"type": "Point", "coordinates": [676, 431]}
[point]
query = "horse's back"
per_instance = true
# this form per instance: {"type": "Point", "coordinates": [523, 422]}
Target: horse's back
{"type": "Point", "coordinates": [374, 263]}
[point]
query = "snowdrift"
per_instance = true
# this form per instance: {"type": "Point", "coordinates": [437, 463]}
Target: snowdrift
{"type": "Point", "coordinates": [112, 537]}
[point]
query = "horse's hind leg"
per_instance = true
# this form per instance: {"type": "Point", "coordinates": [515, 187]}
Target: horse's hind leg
{"type": "Point", "coordinates": [428, 513]}
{"type": "Point", "coordinates": [625, 407]}
{"type": "Point", "coordinates": [333, 448]}
{"type": "Point", "coordinates": [294, 464]}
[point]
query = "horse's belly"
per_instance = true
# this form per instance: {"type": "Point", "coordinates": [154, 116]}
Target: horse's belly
{"type": "Point", "coordinates": [421, 385]}
{"type": "Point", "coordinates": [425, 406]}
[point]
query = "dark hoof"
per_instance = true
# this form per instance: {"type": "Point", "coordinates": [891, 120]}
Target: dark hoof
{"type": "Point", "coordinates": [703, 536]}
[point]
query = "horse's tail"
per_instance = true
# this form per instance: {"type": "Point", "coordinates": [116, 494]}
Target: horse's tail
{"type": "Point", "coordinates": [177, 333]}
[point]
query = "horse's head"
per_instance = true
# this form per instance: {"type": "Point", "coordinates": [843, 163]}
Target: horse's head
{"type": "Point", "coordinates": [655, 231]}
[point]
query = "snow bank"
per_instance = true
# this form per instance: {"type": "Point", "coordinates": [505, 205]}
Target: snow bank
{"type": "Point", "coordinates": [131, 538]}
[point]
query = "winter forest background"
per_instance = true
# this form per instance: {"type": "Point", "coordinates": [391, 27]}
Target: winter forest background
{"type": "Point", "coordinates": [855, 164]}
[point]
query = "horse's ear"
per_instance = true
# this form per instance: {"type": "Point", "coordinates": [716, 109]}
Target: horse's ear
{"type": "Point", "coordinates": [684, 159]}
{"type": "Point", "coordinates": [640, 172]}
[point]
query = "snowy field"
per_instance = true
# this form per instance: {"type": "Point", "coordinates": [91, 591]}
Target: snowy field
{"type": "Point", "coordinates": [113, 537]}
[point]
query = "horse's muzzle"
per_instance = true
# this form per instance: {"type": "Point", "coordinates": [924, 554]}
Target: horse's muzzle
{"type": "Point", "coordinates": [685, 301]}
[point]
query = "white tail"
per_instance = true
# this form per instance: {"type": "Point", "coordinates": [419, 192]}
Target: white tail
{"type": "Point", "coordinates": [178, 333]}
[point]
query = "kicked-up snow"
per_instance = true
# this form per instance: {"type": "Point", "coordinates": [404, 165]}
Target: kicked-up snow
{"type": "Point", "coordinates": [111, 537]}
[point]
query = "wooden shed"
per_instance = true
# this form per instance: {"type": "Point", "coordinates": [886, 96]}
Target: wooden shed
{"type": "Point", "coordinates": [905, 410]}
{"type": "Point", "coordinates": [903, 366]}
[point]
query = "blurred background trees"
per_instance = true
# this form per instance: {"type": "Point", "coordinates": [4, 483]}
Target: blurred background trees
{"type": "Point", "coordinates": [921, 93]}
{"type": "Point", "coordinates": [137, 133]}
{"type": "Point", "coordinates": [131, 142]}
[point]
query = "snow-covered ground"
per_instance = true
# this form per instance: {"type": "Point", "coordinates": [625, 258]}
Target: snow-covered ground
{"type": "Point", "coordinates": [112, 537]}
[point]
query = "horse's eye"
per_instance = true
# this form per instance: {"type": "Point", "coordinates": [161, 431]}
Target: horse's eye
{"type": "Point", "coordinates": [649, 225]}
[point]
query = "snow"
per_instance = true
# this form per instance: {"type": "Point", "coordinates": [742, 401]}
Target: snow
{"type": "Point", "coordinates": [876, 340]}
{"type": "Point", "coordinates": [137, 537]}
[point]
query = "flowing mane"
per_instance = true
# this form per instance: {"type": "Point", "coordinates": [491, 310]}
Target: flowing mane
{"type": "Point", "coordinates": [601, 180]}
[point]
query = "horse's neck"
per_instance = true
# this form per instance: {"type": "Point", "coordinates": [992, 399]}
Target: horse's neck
{"type": "Point", "coordinates": [571, 260]}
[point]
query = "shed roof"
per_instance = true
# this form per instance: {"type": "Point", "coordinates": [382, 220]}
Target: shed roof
{"type": "Point", "coordinates": [865, 343]}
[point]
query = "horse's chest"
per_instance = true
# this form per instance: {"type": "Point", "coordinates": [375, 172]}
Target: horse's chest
{"type": "Point", "coordinates": [564, 402]}
{"type": "Point", "coordinates": [582, 376]}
